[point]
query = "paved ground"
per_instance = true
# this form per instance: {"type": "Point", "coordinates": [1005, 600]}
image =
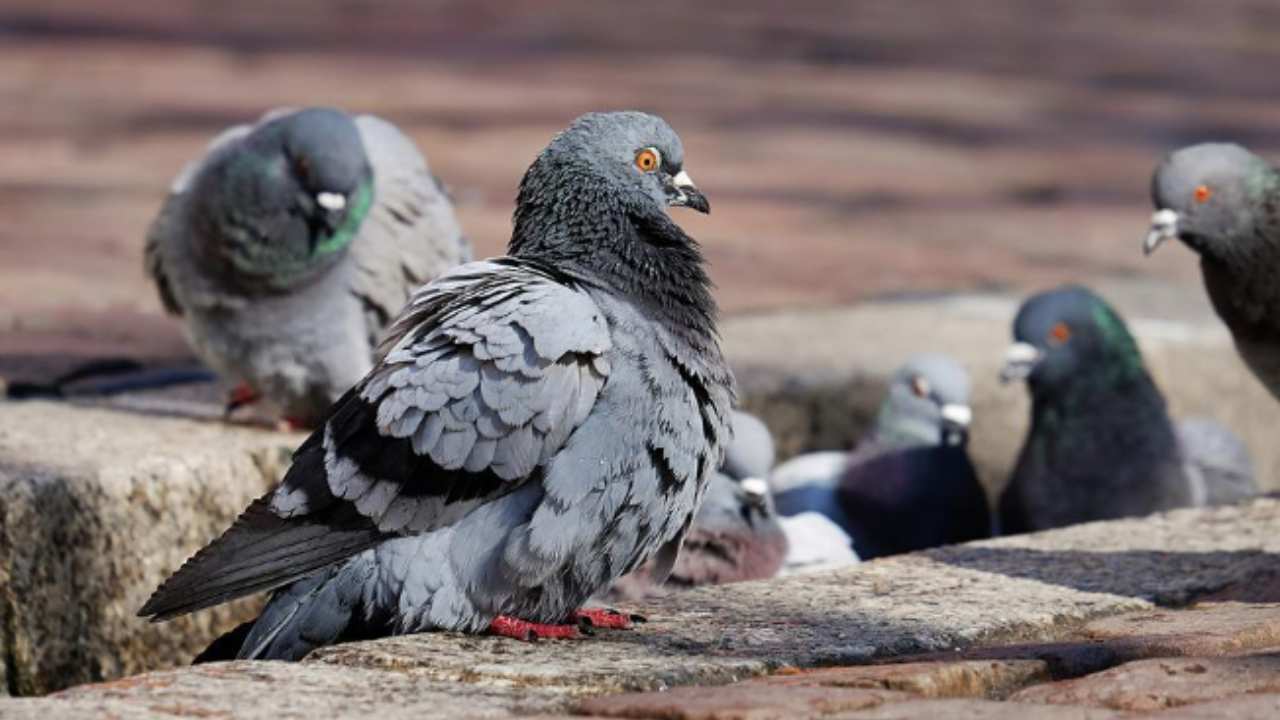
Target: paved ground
{"type": "Point", "coordinates": [851, 149]}
{"type": "Point", "coordinates": [1075, 623]}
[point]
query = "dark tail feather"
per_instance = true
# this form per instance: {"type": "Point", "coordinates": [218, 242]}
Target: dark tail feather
{"type": "Point", "coordinates": [225, 647]}
{"type": "Point", "coordinates": [315, 611]}
{"type": "Point", "coordinates": [261, 551]}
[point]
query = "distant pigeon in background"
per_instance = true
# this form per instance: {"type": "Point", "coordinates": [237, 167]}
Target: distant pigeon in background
{"type": "Point", "coordinates": [1223, 202]}
{"type": "Point", "coordinates": [1101, 444]}
{"type": "Point", "coordinates": [735, 535]}
{"type": "Point", "coordinates": [909, 484]}
{"type": "Point", "coordinates": [536, 426]}
{"type": "Point", "coordinates": [287, 249]}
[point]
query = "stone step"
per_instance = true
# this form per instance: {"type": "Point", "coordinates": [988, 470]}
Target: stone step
{"type": "Point", "coordinates": [1088, 584]}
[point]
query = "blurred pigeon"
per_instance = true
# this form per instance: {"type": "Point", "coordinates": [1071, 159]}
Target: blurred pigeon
{"type": "Point", "coordinates": [290, 245]}
{"type": "Point", "coordinates": [1101, 444]}
{"type": "Point", "coordinates": [1223, 202]}
{"type": "Point", "coordinates": [536, 426]}
{"type": "Point", "coordinates": [908, 485]}
{"type": "Point", "coordinates": [815, 543]}
{"type": "Point", "coordinates": [1216, 461]}
{"type": "Point", "coordinates": [735, 535]}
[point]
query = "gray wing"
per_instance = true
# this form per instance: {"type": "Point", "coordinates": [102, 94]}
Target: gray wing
{"type": "Point", "coordinates": [411, 234]}
{"type": "Point", "coordinates": [1217, 462]}
{"type": "Point", "coordinates": [482, 380]}
{"type": "Point", "coordinates": [169, 225]}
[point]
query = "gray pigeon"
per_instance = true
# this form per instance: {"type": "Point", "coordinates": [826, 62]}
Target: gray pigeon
{"type": "Point", "coordinates": [1223, 202]}
{"type": "Point", "coordinates": [735, 534]}
{"type": "Point", "coordinates": [1216, 461]}
{"type": "Point", "coordinates": [536, 426]}
{"type": "Point", "coordinates": [909, 485]}
{"type": "Point", "coordinates": [1101, 443]}
{"type": "Point", "coordinates": [290, 245]}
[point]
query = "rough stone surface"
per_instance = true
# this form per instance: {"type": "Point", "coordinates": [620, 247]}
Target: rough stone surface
{"type": "Point", "coordinates": [1205, 629]}
{"type": "Point", "coordinates": [940, 679]}
{"type": "Point", "coordinates": [746, 701]}
{"type": "Point", "coordinates": [1246, 707]}
{"type": "Point", "coordinates": [1045, 590]}
{"type": "Point", "coordinates": [272, 690]}
{"type": "Point", "coordinates": [972, 709]}
{"type": "Point", "coordinates": [1146, 685]}
{"type": "Point", "coordinates": [96, 508]}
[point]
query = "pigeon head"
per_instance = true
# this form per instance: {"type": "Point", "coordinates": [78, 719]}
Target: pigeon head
{"type": "Point", "coordinates": [1069, 336]}
{"type": "Point", "coordinates": [1203, 195]}
{"type": "Point", "coordinates": [595, 205]}
{"type": "Point", "coordinates": [751, 453]}
{"type": "Point", "coordinates": [289, 197]}
{"type": "Point", "coordinates": [624, 163]}
{"type": "Point", "coordinates": [735, 503]}
{"type": "Point", "coordinates": [927, 404]}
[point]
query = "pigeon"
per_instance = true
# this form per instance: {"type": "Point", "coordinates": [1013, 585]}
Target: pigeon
{"type": "Point", "coordinates": [1223, 202]}
{"type": "Point", "coordinates": [909, 485]}
{"type": "Point", "coordinates": [1101, 443]}
{"type": "Point", "coordinates": [1217, 463]}
{"type": "Point", "coordinates": [287, 249]}
{"type": "Point", "coordinates": [536, 426]}
{"type": "Point", "coordinates": [735, 534]}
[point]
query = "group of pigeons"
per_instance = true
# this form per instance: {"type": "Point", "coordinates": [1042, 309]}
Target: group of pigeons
{"type": "Point", "coordinates": [502, 445]}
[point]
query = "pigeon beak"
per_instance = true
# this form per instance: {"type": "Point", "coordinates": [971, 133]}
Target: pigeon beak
{"type": "Point", "coordinates": [957, 414]}
{"type": "Point", "coordinates": [755, 493]}
{"type": "Point", "coordinates": [1019, 362]}
{"type": "Point", "coordinates": [331, 201]}
{"type": "Point", "coordinates": [955, 423]}
{"type": "Point", "coordinates": [1164, 225]}
{"type": "Point", "coordinates": [681, 192]}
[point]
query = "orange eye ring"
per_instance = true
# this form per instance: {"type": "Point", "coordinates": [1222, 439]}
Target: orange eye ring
{"type": "Point", "coordinates": [1059, 334]}
{"type": "Point", "coordinates": [1202, 193]}
{"type": "Point", "coordinates": [920, 386]}
{"type": "Point", "coordinates": [648, 160]}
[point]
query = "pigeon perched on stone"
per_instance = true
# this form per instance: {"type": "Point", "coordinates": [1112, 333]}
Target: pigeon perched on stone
{"type": "Point", "coordinates": [1101, 443]}
{"type": "Point", "coordinates": [535, 427]}
{"type": "Point", "coordinates": [1217, 462]}
{"type": "Point", "coordinates": [735, 535]}
{"type": "Point", "coordinates": [908, 485]}
{"type": "Point", "coordinates": [1223, 202]}
{"type": "Point", "coordinates": [290, 245]}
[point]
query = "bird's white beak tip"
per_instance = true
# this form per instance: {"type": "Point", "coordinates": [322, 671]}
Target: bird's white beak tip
{"type": "Point", "coordinates": [331, 201]}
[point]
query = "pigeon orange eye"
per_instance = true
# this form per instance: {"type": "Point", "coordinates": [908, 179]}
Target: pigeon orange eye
{"type": "Point", "coordinates": [1059, 334]}
{"type": "Point", "coordinates": [647, 160]}
{"type": "Point", "coordinates": [1203, 193]}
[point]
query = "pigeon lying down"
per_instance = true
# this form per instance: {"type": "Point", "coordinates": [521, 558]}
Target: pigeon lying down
{"type": "Point", "coordinates": [909, 485]}
{"type": "Point", "coordinates": [287, 249]}
{"type": "Point", "coordinates": [735, 534]}
{"type": "Point", "coordinates": [535, 427]}
{"type": "Point", "coordinates": [1101, 443]}
{"type": "Point", "coordinates": [1223, 202]}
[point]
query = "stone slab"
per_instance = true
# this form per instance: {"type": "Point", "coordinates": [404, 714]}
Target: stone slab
{"type": "Point", "coordinates": [937, 679]}
{"type": "Point", "coordinates": [1045, 587]}
{"type": "Point", "coordinates": [1148, 685]}
{"type": "Point", "coordinates": [96, 508]}
{"type": "Point", "coordinates": [974, 709]}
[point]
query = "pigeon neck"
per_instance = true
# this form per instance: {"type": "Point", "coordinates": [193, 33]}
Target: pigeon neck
{"type": "Point", "coordinates": [637, 254]}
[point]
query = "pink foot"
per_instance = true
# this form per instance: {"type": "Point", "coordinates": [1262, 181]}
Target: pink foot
{"type": "Point", "coordinates": [526, 631]}
{"type": "Point", "coordinates": [607, 618]}
{"type": "Point", "coordinates": [240, 396]}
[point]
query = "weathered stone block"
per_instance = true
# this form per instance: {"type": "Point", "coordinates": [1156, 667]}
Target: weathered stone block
{"type": "Point", "coordinates": [96, 508]}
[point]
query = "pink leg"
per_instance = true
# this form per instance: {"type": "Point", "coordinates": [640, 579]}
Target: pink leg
{"type": "Point", "coordinates": [240, 396]}
{"type": "Point", "coordinates": [505, 626]}
{"type": "Point", "coordinates": [606, 618]}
